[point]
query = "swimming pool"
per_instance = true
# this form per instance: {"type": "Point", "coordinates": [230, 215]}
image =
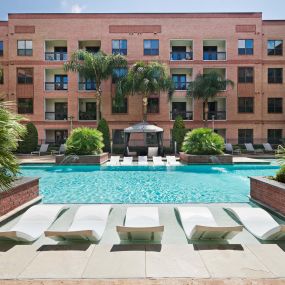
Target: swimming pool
{"type": "Point", "coordinates": [145, 184]}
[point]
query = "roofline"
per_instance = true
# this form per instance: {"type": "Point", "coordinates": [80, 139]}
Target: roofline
{"type": "Point", "coordinates": [133, 15]}
{"type": "Point", "coordinates": [3, 23]}
{"type": "Point", "coordinates": [273, 22]}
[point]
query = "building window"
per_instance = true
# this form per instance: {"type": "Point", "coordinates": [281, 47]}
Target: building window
{"type": "Point", "coordinates": [245, 105]}
{"type": "Point", "coordinates": [245, 74]}
{"type": "Point", "coordinates": [120, 108]}
{"type": "Point", "coordinates": [275, 47]}
{"type": "Point", "coordinates": [180, 81]}
{"type": "Point", "coordinates": [275, 75]}
{"type": "Point", "coordinates": [151, 47]}
{"type": "Point", "coordinates": [25, 48]}
{"type": "Point", "coordinates": [245, 47]}
{"type": "Point", "coordinates": [119, 73]}
{"type": "Point", "coordinates": [25, 106]}
{"type": "Point", "coordinates": [118, 136]}
{"type": "Point", "coordinates": [1, 48]}
{"type": "Point", "coordinates": [25, 75]}
{"type": "Point", "coordinates": [274, 136]}
{"type": "Point", "coordinates": [120, 47]}
{"type": "Point", "coordinates": [1, 76]}
{"type": "Point", "coordinates": [221, 132]}
{"type": "Point", "coordinates": [153, 105]}
{"type": "Point", "coordinates": [245, 136]}
{"type": "Point", "coordinates": [275, 105]}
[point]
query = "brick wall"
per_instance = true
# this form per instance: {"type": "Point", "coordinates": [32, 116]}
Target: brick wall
{"type": "Point", "coordinates": [24, 190]}
{"type": "Point", "coordinates": [268, 192]}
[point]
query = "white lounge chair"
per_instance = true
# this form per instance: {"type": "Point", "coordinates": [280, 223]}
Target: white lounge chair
{"type": "Point", "coordinates": [127, 160]}
{"type": "Point", "coordinates": [268, 147]}
{"type": "Point", "coordinates": [131, 153]}
{"type": "Point", "coordinates": [33, 223]}
{"type": "Point", "coordinates": [89, 223]}
{"type": "Point", "coordinates": [171, 161]}
{"type": "Point", "coordinates": [43, 149]}
{"type": "Point", "coordinates": [114, 160]}
{"type": "Point", "coordinates": [152, 151]}
{"type": "Point", "coordinates": [249, 148]}
{"type": "Point", "coordinates": [199, 224]}
{"type": "Point", "coordinates": [141, 223]}
{"type": "Point", "coordinates": [229, 148]}
{"type": "Point", "coordinates": [61, 150]}
{"type": "Point", "coordinates": [157, 161]}
{"type": "Point", "coordinates": [142, 160]}
{"type": "Point", "coordinates": [259, 223]}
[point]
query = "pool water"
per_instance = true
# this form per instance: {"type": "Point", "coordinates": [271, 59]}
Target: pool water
{"type": "Point", "coordinates": [145, 184]}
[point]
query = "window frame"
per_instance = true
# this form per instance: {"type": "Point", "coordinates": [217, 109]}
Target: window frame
{"type": "Point", "coordinates": [158, 105]}
{"type": "Point", "coordinates": [274, 140]}
{"type": "Point", "coordinates": [244, 138]}
{"type": "Point", "coordinates": [245, 49]}
{"type": "Point", "coordinates": [274, 49]}
{"type": "Point", "coordinates": [245, 76]}
{"type": "Point", "coordinates": [120, 50]}
{"type": "Point", "coordinates": [25, 49]}
{"type": "Point", "coordinates": [245, 105]}
{"type": "Point", "coordinates": [25, 81]}
{"type": "Point", "coordinates": [120, 109]}
{"type": "Point", "coordinates": [2, 49]}
{"type": "Point", "coordinates": [151, 49]}
{"type": "Point", "coordinates": [274, 79]}
{"type": "Point", "coordinates": [274, 99]}
{"type": "Point", "coordinates": [32, 100]}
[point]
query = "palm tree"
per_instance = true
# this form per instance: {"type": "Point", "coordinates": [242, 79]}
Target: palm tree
{"type": "Point", "coordinates": [95, 67]}
{"type": "Point", "coordinates": [145, 79]}
{"type": "Point", "coordinates": [207, 86]}
{"type": "Point", "coordinates": [11, 131]}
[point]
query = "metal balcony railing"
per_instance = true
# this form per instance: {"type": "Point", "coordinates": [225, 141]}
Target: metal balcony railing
{"type": "Point", "coordinates": [86, 86]}
{"type": "Point", "coordinates": [49, 86]}
{"type": "Point", "coordinates": [56, 116]}
{"type": "Point", "coordinates": [217, 115]}
{"type": "Point", "coordinates": [181, 85]}
{"type": "Point", "coordinates": [186, 115]}
{"type": "Point", "coordinates": [214, 55]}
{"type": "Point", "coordinates": [56, 56]}
{"type": "Point", "coordinates": [87, 116]}
{"type": "Point", "coordinates": [180, 55]}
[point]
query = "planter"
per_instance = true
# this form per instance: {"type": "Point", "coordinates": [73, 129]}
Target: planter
{"type": "Point", "coordinates": [82, 159]}
{"type": "Point", "coordinates": [269, 193]}
{"type": "Point", "coordinates": [22, 191]}
{"type": "Point", "coordinates": [215, 159]}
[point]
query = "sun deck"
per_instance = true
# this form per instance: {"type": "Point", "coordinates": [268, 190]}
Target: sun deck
{"type": "Point", "coordinates": [242, 257]}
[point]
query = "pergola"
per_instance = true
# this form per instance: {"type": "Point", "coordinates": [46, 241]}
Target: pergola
{"type": "Point", "coordinates": [144, 127]}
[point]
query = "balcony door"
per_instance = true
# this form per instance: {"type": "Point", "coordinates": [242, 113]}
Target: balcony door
{"type": "Point", "coordinates": [179, 81]}
{"type": "Point", "coordinates": [210, 52]}
{"type": "Point", "coordinates": [60, 81]}
{"type": "Point", "coordinates": [179, 109]}
{"type": "Point", "coordinates": [60, 136]}
{"type": "Point", "coordinates": [212, 110]}
{"type": "Point", "coordinates": [60, 53]}
{"type": "Point", "coordinates": [178, 53]}
{"type": "Point", "coordinates": [60, 109]}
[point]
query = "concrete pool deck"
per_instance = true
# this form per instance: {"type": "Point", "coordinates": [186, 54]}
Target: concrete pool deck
{"type": "Point", "coordinates": [243, 258]}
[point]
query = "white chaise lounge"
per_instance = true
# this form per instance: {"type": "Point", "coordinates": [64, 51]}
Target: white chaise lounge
{"type": "Point", "coordinates": [141, 224]}
{"type": "Point", "coordinates": [249, 148]}
{"type": "Point", "coordinates": [142, 160]}
{"type": "Point", "coordinates": [127, 160]}
{"type": "Point", "coordinates": [61, 150]}
{"type": "Point", "coordinates": [152, 151]}
{"type": "Point", "coordinates": [43, 149]}
{"type": "Point", "coordinates": [33, 223]}
{"type": "Point", "coordinates": [229, 148]}
{"type": "Point", "coordinates": [89, 223]}
{"type": "Point", "coordinates": [259, 223]}
{"type": "Point", "coordinates": [171, 161]}
{"type": "Point", "coordinates": [268, 147]}
{"type": "Point", "coordinates": [114, 160]}
{"type": "Point", "coordinates": [157, 161]}
{"type": "Point", "coordinates": [199, 224]}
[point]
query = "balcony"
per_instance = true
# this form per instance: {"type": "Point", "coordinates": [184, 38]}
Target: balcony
{"type": "Point", "coordinates": [55, 137]}
{"type": "Point", "coordinates": [92, 46]}
{"type": "Point", "coordinates": [181, 86]}
{"type": "Point", "coordinates": [56, 109]}
{"type": "Point", "coordinates": [181, 50]}
{"type": "Point", "coordinates": [186, 115]}
{"type": "Point", "coordinates": [87, 109]}
{"type": "Point", "coordinates": [217, 109]}
{"type": "Point", "coordinates": [214, 50]}
{"type": "Point", "coordinates": [86, 86]}
{"type": "Point", "coordinates": [217, 115]}
{"type": "Point", "coordinates": [181, 78]}
{"type": "Point", "coordinates": [56, 80]}
{"type": "Point", "coordinates": [181, 107]}
{"type": "Point", "coordinates": [55, 116]}
{"type": "Point", "coordinates": [56, 50]}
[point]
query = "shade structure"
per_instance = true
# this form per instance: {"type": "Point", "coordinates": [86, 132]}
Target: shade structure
{"type": "Point", "coordinates": [144, 127]}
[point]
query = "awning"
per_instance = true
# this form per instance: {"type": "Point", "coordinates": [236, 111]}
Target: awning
{"type": "Point", "coordinates": [143, 127]}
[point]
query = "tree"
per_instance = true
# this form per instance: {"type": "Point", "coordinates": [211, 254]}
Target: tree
{"type": "Point", "coordinates": [178, 132]}
{"type": "Point", "coordinates": [11, 131]}
{"type": "Point", "coordinates": [145, 79]}
{"type": "Point", "coordinates": [207, 86]}
{"type": "Point", "coordinates": [95, 67]}
{"type": "Point", "coordinates": [30, 140]}
{"type": "Point", "coordinates": [104, 129]}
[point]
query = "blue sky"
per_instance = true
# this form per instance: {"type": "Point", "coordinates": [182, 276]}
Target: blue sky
{"type": "Point", "coordinates": [272, 9]}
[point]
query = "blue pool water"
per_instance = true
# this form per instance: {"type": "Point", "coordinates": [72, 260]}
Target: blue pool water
{"type": "Point", "coordinates": [143, 184]}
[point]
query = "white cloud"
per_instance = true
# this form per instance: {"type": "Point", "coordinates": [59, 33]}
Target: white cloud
{"type": "Point", "coordinates": [73, 8]}
{"type": "Point", "coordinates": [76, 8]}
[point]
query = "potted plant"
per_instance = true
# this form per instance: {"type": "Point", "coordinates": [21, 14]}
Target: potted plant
{"type": "Point", "coordinates": [83, 146]}
{"type": "Point", "coordinates": [203, 145]}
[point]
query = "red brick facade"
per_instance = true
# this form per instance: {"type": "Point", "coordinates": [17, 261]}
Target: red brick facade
{"type": "Point", "coordinates": [195, 30]}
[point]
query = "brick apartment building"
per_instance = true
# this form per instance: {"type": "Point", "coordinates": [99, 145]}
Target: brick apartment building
{"type": "Point", "coordinates": [240, 46]}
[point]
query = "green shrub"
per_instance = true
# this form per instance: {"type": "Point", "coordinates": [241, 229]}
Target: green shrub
{"type": "Point", "coordinates": [178, 132]}
{"type": "Point", "coordinates": [29, 142]}
{"type": "Point", "coordinates": [104, 129]}
{"type": "Point", "coordinates": [203, 141]}
{"type": "Point", "coordinates": [280, 175]}
{"type": "Point", "coordinates": [84, 141]}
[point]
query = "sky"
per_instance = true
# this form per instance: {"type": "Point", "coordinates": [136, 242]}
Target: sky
{"type": "Point", "coordinates": [272, 9]}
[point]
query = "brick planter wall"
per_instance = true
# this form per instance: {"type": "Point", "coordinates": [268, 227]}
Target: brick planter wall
{"type": "Point", "coordinates": [82, 159]}
{"type": "Point", "coordinates": [196, 159]}
{"type": "Point", "coordinates": [23, 190]}
{"type": "Point", "coordinates": [268, 192]}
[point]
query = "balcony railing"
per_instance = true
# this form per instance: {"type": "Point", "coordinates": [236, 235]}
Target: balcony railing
{"type": "Point", "coordinates": [86, 86]}
{"type": "Point", "coordinates": [181, 85]}
{"type": "Point", "coordinates": [49, 86]}
{"type": "Point", "coordinates": [217, 115]}
{"type": "Point", "coordinates": [121, 51]}
{"type": "Point", "coordinates": [186, 115]}
{"type": "Point", "coordinates": [56, 56]}
{"type": "Point", "coordinates": [214, 55]}
{"type": "Point", "coordinates": [87, 116]}
{"type": "Point", "coordinates": [56, 116]}
{"type": "Point", "coordinates": [180, 55]}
